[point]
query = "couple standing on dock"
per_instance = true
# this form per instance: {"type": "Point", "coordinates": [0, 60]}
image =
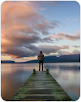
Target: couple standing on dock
{"type": "Point", "coordinates": [40, 58]}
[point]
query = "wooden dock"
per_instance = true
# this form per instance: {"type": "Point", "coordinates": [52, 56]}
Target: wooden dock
{"type": "Point", "coordinates": [41, 86]}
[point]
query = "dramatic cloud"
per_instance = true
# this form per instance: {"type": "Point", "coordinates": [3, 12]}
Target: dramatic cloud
{"type": "Point", "coordinates": [61, 52]}
{"type": "Point", "coordinates": [76, 46]}
{"type": "Point", "coordinates": [18, 52]}
{"type": "Point", "coordinates": [21, 26]}
{"type": "Point", "coordinates": [47, 39]}
{"type": "Point", "coordinates": [47, 49]}
{"type": "Point", "coordinates": [76, 52]}
{"type": "Point", "coordinates": [68, 53]}
{"type": "Point", "coordinates": [61, 36]}
{"type": "Point", "coordinates": [24, 17]}
{"type": "Point", "coordinates": [28, 50]}
{"type": "Point", "coordinates": [65, 46]}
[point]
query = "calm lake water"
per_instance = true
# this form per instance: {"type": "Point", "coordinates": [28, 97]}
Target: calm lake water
{"type": "Point", "coordinates": [67, 75]}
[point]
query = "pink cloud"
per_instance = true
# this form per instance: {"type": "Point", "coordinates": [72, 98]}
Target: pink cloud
{"type": "Point", "coordinates": [21, 24]}
{"type": "Point", "coordinates": [66, 46]}
{"type": "Point", "coordinates": [76, 46]}
{"type": "Point", "coordinates": [76, 52]}
{"type": "Point", "coordinates": [47, 49]}
{"type": "Point", "coordinates": [61, 36]}
{"type": "Point", "coordinates": [17, 11]}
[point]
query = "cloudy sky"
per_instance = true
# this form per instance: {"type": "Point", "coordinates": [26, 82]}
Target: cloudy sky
{"type": "Point", "coordinates": [29, 27]}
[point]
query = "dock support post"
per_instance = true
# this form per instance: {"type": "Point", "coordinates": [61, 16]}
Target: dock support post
{"type": "Point", "coordinates": [33, 71]}
{"type": "Point", "coordinates": [47, 71]}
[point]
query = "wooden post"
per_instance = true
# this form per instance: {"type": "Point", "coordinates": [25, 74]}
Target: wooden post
{"type": "Point", "coordinates": [33, 71]}
{"type": "Point", "coordinates": [47, 71]}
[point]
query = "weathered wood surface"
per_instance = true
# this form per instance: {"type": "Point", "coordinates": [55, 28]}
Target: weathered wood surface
{"type": "Point", "coordinates": [41, 87]}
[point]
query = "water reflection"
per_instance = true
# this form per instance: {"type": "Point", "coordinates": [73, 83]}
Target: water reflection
{"type": "Point", "coordinates": [12, 78]}
{"type": "Point", "coordinates": [66, 74]}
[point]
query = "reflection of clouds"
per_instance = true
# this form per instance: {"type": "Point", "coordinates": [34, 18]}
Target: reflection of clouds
{"type": "Point", "coordinates": [55, 72]}
{"type": "Point", "coordinates": [13, 68]}
{"type": "Point", "coordinates": [10, 68]}
{"type": "Point", "coordinates": [71, 87]}
{"type": "Point", "coordinates": [13, 76]}
{"type": "Point", "coordinates": [64, 66]}
{"type": "Point", "coordinates": [30, 67]}
{"type": "Point", "coordinates": [11, 83]}
{"type": "Point", "coordinates": [65, 73]}
{"type": "Point", "coordinates": [73, 91]}
{"type": "Point", "coordinates": [68, 78]}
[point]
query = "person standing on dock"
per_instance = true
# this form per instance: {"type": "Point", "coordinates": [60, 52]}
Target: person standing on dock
{"type": "Point", "coordinates": [40, 58]}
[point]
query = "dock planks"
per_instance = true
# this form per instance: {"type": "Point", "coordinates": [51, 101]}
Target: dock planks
{"type": "Point", "coordinates": [41, 87]}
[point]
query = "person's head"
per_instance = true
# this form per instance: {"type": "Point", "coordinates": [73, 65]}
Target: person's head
{"type": "Point", "coordinates": [40, 52]}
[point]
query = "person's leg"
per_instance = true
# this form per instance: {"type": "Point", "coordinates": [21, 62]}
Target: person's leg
{"type": "Point", "coordinates": [42, 65]}
{"type": "Point", "coordinates": [39, 65]}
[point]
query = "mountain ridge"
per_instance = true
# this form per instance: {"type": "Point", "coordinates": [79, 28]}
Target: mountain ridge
{"type": "Point", "coordinates": [52, 59]}
{"type": "Point", "coordinates": [62, 58]}
{"type": "Point", "coordinates": [7, 61]}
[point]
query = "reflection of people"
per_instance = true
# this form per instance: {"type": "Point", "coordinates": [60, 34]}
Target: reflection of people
{"type": "Point", "coordinates": [41, 57]}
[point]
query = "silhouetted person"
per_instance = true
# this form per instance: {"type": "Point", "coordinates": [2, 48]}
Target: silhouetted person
{"type": "Point", "coordinates": [41, 57]}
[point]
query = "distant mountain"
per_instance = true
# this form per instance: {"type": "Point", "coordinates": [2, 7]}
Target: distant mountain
{"type": "Point", "coordinates": [62, 58]}
{"type": "Point", "coordinates": [52, 59]}
{"type": "Point", "coordinates": [7, 61]}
